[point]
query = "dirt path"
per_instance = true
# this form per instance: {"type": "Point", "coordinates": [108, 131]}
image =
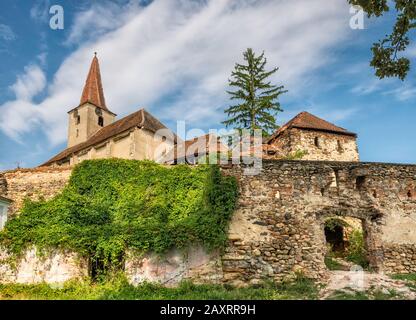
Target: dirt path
{"type": "Point", "coordinates": [351, 282]}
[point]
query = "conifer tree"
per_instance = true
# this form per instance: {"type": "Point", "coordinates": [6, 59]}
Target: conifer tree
{"type": "Point", "coordinates": [257, 99]}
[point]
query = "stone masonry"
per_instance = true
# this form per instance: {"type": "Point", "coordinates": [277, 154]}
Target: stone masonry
{"type": "Point", "coordinates": [317, 145]}
{"type": "Point", "coordinates": [56, 267]}
{"type": "Point", "coordinates": [278, 227]}
{"type": "Point", "coordinates": [34, 184]}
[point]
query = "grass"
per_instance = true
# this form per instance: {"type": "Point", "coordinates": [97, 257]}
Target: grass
{"type": "Point", "coordinates": [332, 264]}
{"type": "Point", "coordinates": [405, 276]}
{"type": "Point", "coordinates": [410, 278]}
{"type": "Point", "coordinates": [377, 294]}
{"type": "Point", "coordinates": [365, 295]}
{"type": "Point", "coordinates": [119, 289]}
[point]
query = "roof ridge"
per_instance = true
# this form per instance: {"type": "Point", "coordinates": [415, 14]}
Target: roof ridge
{"type": "Point", "coordinates": [142, 122]}
{"type": "Point", "coordinates": [135, 119]}
{"type": "Point", "coordinates": [308, 121]}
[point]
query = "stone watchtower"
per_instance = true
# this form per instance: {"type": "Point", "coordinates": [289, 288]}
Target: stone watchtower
{"type": "Point", "coordinates": [92, 113]}
{"type": "Point", "coordinates": [319, 139]}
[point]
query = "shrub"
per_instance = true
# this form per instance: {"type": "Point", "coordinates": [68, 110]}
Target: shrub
{"type": "Point", "coordinates": [110, 205]}
{"type": "Point", "coordinates": [356, 252]}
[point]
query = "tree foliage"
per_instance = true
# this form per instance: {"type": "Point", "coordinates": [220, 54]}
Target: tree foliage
{"type": "Point", "coordinates": [256, 97]}
{"type": "Point", "coordinates": [387, 59]}
{"type": "Point", "coordinates": [112, 205]}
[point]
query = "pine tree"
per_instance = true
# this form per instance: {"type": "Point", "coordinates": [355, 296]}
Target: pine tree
{"type": "Point", "coordinates": [257, 96]}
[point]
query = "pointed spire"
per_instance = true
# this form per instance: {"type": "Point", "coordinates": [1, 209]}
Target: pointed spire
{"type": "Point", "coordinates": [93, 90]}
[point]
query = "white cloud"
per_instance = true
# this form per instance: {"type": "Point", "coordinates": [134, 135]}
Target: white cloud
{"type": "Point", "coordinates": [174, 57]}
{"type": "Point", "coordinates": [6, 33]}
{"type": "Point", "coordinates": [99, 19]}
{"type": "Point", "coordinates": [29, 84]}
{"type": "Point", "coordinates": [21, 115]}
{"type": "Point", "coordinates": [403, 93]}
{"type": "Point", "coordinates": [369, 85]}
{"type": "Point", "coordinates": [40, 10]}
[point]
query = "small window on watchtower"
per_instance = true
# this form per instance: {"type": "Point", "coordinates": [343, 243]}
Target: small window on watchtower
{"type": "Point", "coordinates": [339, 146]}
{"type": "Point", "coordinates": [359, 182]}
{"type": "Point", "coordinates": [101, 121]}
{"type": "Point", "coordinates": [409, 194]}
{"type": "Point", "coordinates": [317, 142]}
{"type": "Point", "coordinates": [78, 119]}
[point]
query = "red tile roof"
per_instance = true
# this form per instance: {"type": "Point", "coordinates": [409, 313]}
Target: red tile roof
{"type": "Point", "coordinates": [141, 119]}
{"type": "Point", "coordinates": [200, 145]}
{"type": "Point", "coordinates": [305, 120]}
{"type": "Point", "coordinates": [93, 90]}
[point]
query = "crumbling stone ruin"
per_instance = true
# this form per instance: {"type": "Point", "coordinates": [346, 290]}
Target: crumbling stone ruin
{"type": "Point", "coordinates": [276, 231]}
{"type": "Point", "coordinates": [278, 227]}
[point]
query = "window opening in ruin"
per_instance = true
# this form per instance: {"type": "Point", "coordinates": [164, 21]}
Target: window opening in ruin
{"type": "Point", "coordinates": [322, 191]}
{"type": "Point", "coordinates": [101, 121]}
{"type": "Point", "coordinates": [409, 194]}
{"type": "Point", "coordinates": [359, 182]}
{"type": "Point", "coordinates": [317, 142]}
{"type": "Point", "coordinates": [77, 133]}
{"type": "Point", "coordinates": [78, 119]}
{"type": "Point", "coordinates": [374, 193]}
{"type": "Point", "coordinates": [346, 243]}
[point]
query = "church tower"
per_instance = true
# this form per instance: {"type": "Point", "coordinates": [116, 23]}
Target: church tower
{"type": "Point", "coordinates": [92, 113]}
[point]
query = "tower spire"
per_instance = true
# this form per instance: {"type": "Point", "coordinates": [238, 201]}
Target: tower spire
{"type": "Point", "coordinates": [93, 90]}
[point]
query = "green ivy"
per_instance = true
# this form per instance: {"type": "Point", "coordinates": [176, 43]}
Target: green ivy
{"type": "Point", "coordinates": [110, 205]}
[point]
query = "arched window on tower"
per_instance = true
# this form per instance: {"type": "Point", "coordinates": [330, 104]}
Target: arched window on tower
{"type": "Point", "coordinates": [101, 121]}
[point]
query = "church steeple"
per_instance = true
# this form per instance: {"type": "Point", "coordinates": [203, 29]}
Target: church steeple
{"type": "Point", "coordinates": [92, 113]}
{"type": "Point", "coordinates": [93, 90]}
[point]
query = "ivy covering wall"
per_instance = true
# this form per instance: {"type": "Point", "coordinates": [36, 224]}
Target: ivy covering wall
{"type": "Point", "coordinates": [113, 204]}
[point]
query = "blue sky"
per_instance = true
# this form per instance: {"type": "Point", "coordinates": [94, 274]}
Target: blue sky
{"type": "Point", "coordinates": [174, 57]}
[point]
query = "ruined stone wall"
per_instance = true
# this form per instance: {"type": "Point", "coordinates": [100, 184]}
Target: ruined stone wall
{"type": "Point", "coordinates": [331, 147]}
{"type": "Point", "coordinates": [195, 263]}
{"type": "Point", "coordinates": [278, 227]}
{"type": "Point", "coordinates": [55, 267]}
{"type": "Point", "coordinates": [34, 183]}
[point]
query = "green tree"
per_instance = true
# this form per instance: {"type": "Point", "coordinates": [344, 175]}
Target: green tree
{"type": "Point", "coordinates": [257, 97]}
{"type": "Point", "coordinates": [387, 59]}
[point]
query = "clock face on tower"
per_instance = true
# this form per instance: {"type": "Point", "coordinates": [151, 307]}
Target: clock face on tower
{"type": "Point", "coordinates": [98, 111]}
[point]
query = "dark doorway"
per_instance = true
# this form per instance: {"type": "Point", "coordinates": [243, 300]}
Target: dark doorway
{"type": "Point", "coordinates": [346, 240]}
{"type": "Point", "coordinates": [335, 237]}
